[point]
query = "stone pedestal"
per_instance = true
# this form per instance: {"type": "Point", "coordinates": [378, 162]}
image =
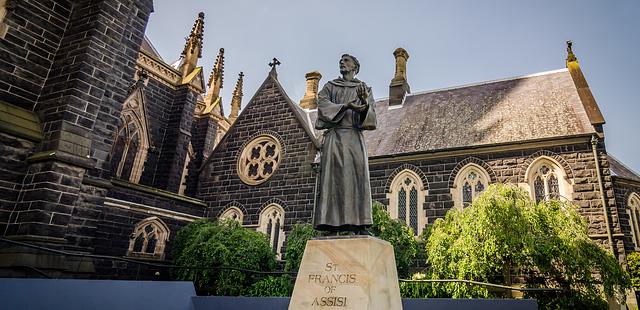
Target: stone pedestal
{"type": "Point", "coordinates": [357, 272]}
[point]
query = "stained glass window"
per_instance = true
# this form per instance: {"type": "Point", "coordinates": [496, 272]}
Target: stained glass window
{"type": "Point", "coordinates": [538, 186]}
{"type": "Point", "coordinates": [467, 194]}
{"type": "Point", "coordinates": [148, 239]}
{"type": "Point", "coordinates": [547, 181]}
{"type": "Point", "coordinates": [471, 181]}
{"type": "Point", "coordinates": [272, 223]}
{"type": "Point", "coordinates": [137, 247]}
{"type": "Point", "coordinates": [276, 236]}
{"type": "Point", "coordinates": [270, 230]}
{"type": "Point", "coordinates": [634, 211]}
{"type": "Point", "coordinates": [402, 205]}
{"type": "Point", "coordinates": [554, 189]}
{"type": "Point", "coordinates": [406, 201]}
{"type": "Point", "coordinates": [413, 210]}
{"type": "Point", "coordinates": [151, 244]}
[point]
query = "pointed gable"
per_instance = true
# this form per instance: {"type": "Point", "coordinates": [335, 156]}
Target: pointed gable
{"type": "Point", "coordinates": [270, 120]}
{"type": "Point", "coordinates": [269, 108]}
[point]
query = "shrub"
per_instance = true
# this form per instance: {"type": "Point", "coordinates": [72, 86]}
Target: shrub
{"type": "Point", "coordinates": [546, 244]}
{"type": "Point", "coordinates": [272, 287]}
{"type": "Point", "coordinates": [207, 243]}
{"type": "Point", "coordinates": [398, 234]}
{"type": "Point", "coordinates": [633, 260]}
{"type": "Point", "coordinates": [296, 242]}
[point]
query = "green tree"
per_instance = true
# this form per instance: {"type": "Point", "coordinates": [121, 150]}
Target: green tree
{"type": "Point", "coordinates": [504, 234]}
{"type": "Point", "coordinates": [398, 234]}
{"type": "Point", "coordinates": [395, 232]}
{"type": "Point", "coordinates": [207, 243]}
{"type": "Point", "coordinates": [633, 259]}
{"type": "Point", "coordinates": [296, 242]}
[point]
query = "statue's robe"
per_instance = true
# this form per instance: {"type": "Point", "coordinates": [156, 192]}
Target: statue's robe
{"type": "Point", "coordinates": [344, 198]}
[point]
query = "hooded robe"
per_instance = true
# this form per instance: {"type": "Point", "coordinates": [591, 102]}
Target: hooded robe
{"type": "Point", "coordinates": [344, 199]}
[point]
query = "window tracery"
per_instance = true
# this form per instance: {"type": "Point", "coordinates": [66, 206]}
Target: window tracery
{"type": "Point", "coordinates": [233, 213]}
{"type": "Point", "coordinates": [272, 224]}
{"type": "Point", "coordinates": [633, 209]}
{"type": "Point", "coordinates": [149, 239]}
{"type": "Point", "coordinates": [406, 200]}
{"type": "Point", "coordinates": [469, 183]}
{"type": "Point", "coordinates": [547, 180]}
{"type": "Point", "coordinates": [131, 144]}
{"type": "Point", "coordinates": [259, 160]}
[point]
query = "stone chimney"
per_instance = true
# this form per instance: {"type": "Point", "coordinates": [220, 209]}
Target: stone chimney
{"type": "Point", "coordinates": [399, 86]}
{"type": "Point", "coordinates": [309, 101]}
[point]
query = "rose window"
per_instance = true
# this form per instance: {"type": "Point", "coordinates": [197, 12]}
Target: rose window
{"type": "Point", "coordinates": [259, 160]}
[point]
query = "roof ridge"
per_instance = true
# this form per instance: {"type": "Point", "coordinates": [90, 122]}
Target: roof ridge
{"type": "Point", "coordinates": [482, 83]}
{"type": "Point", "coordinates": [623, 165]}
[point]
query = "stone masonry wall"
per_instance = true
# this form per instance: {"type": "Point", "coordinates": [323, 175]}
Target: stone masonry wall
{"type": "Point", "coordinates": [27, 51]}
{"type": "Point", "coordinates": [509, 167]}
{"type": "Point", "coordinates": [175, 144]}
{"type": "Point", "coordinates": [158, 100]}
{"type": "Point", "coordinates": [622, 192]}
{"type": "Point", "coordinates": [293, 182]}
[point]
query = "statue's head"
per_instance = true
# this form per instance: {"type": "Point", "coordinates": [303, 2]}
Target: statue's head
{"type": "Point", "coordinates": [349, 63]}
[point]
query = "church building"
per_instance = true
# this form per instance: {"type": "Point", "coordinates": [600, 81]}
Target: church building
{"type": "Point", "coordinates": [108, 150]}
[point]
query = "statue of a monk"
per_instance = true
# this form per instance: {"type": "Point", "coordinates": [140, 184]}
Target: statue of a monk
{"type": "Point", "coordinates": [345, 109]}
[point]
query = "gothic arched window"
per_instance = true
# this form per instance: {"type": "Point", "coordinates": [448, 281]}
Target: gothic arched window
{"type": "Point", "coordinates": [633, 209]}
{"type": "Point", "coordinates": [272, 224]}
{"type": "Point", "coordinates": [470, 182]}
{"type": "Point", "coordinates": [233, 213]}
{"type": "Point", "coordinates": [547, 180]}
{"type": "Point", "coordinates": [406, 200]}
{"type": "Point", "coordinates": [149, 239]}
{"type": "Point", "coordinates": [131, 144]}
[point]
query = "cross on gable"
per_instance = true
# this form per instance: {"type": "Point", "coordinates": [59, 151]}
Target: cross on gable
{"type": "Point", "coordinates": [274, 63]}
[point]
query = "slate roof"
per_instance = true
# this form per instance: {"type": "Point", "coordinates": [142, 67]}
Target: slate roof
{"type": "Point", "coordinates": [148, 47]}
{"type": "Point", "coordinates": [532, 107]}
{"type": "Point", "coordinates": [619, 169]}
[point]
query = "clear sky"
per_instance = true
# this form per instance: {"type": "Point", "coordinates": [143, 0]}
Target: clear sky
{"type": "Point", "coordinates": [450, 43]}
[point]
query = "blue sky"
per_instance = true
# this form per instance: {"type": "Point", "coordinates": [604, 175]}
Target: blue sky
{"type": "Point", "coordinates": [450, 43]}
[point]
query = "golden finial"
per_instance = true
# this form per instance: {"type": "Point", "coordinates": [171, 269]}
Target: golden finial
{"type": "Point", "coordinates": [570, 55]}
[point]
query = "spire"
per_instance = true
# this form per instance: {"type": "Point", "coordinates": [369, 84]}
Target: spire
{"type": "Point", "coordinates": [193, 47]}
{"type": "Point", "coordinates": [217, 76]}
{"type": "Point", "coordinates": [236, 100]}
{"type": "Point", "coordinates": [584, 92]}
{"type": "Point", "coordinates": [212, 100]}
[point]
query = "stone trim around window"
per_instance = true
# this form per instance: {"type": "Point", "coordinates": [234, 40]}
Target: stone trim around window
{"type": "Point", "coordinates": [4, 6]}
{"type": "Point", "coordinates": [149, 239]}
{"type": "Point", "coordinates": [406, 196]}
{"type": "Point", "coordinates": [470, 181]}
{"type": "Point", "coordinates": [259, 159]}
{"type": "Point", "coordinates": [546, 179]}
{"type": "Point", "coordinates": [271, 223]}
{"type": "Point", "coordinates": [633, 210]}
{"type": "Point", "coordinates": [134, 131]}
{"type": "Point", "coordinates": [233, 213]}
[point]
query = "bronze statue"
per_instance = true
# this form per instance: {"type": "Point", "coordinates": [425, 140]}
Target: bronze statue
{"type": "Point", "coordinates": [345, 108]}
